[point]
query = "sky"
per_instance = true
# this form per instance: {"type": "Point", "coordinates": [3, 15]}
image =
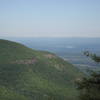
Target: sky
{"type": "Point", "coordinates": [49, 18]}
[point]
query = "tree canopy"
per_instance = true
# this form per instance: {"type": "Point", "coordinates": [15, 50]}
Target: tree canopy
{"type": "Point", "coordinates": [90, 86]}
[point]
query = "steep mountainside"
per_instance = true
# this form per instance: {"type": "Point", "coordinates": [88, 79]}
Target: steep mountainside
{"type": "Point", "coordinates": [27, 74]}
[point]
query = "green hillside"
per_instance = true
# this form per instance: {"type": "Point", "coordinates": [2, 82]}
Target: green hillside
{"type": "Point", "coordinates": [27, 74]}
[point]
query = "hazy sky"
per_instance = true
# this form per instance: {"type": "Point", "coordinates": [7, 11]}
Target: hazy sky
{"type": "Point", "coordinates": [50, 18]}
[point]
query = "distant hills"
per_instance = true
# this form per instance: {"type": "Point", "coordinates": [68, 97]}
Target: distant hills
{"type": "Point", "coordinates": [27, 74]}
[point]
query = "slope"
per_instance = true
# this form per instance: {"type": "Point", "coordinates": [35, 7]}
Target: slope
{"type": "Point", "coordinates": [27, 74]}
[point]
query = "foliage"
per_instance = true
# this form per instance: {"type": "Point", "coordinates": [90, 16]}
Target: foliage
{"type": "Point", "coordinates": [90, 86]}
{"type": "Point", "coordinates": [49, 78]}
{"type": "Point", "coordinates": [92, 56]}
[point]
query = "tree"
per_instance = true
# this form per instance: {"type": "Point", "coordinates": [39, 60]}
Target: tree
{"type": "Point", "coordinates": [90, 86]}
{"type": "Point", "coordinates": [92, 56]}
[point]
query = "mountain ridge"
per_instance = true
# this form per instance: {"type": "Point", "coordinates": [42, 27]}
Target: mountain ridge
{"type": "Point", "coordinates": [33, 74]}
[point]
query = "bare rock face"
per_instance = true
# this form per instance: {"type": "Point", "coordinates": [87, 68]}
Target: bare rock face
{"type": "Point", "coordinates": [50, 56]}
{"type": "Point", "coordinates": [25, 61]}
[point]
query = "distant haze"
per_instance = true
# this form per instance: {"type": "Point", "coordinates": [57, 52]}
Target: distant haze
{"type": "Point", "coordinates": [49, 18]}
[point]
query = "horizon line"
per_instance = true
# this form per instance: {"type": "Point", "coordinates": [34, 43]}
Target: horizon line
{"type": "Point", "coordinates": [49, 37]}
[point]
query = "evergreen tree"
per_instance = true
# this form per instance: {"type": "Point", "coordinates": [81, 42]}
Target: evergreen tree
{"type": "Point", "coordinates": [90, 86]}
